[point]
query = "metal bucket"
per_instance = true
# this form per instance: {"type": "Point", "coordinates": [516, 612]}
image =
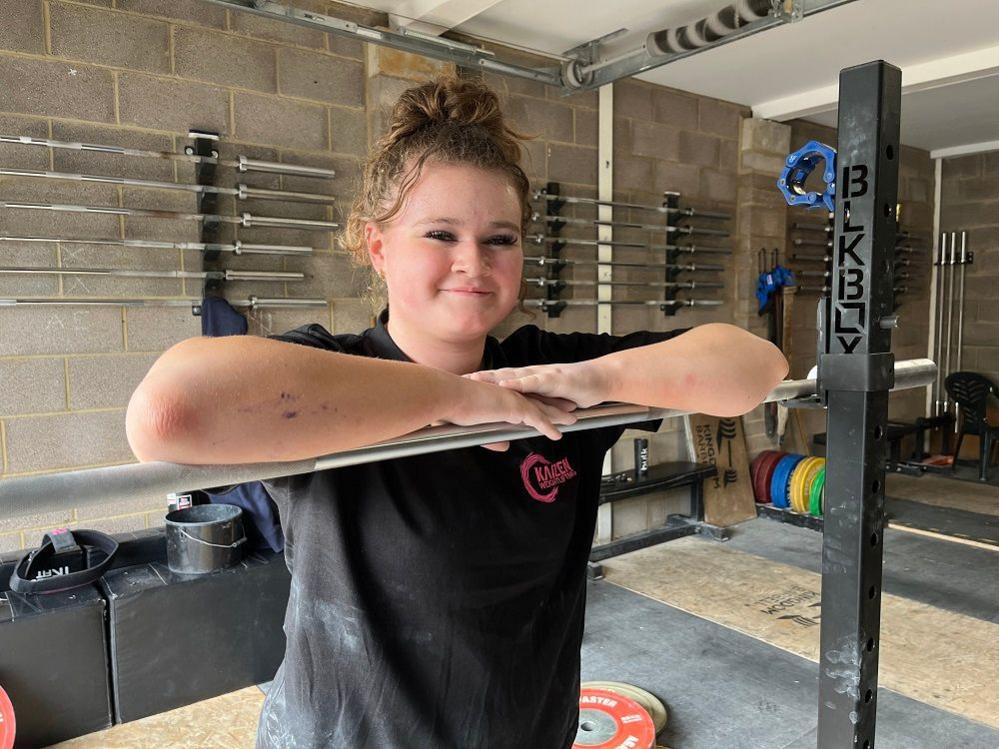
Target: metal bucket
{"type": "Point", "coordinates": [204, 538]}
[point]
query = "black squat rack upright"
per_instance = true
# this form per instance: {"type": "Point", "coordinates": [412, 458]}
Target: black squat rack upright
{"type": "Point", "coordinates": [856, 369]}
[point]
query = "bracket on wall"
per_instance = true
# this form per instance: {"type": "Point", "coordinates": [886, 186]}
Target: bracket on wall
{"type": "Point", "coordinates": [671, 200]}
{"type": "Point", "coordinates": [552, 291]}
{"type": "Point", "coordinates": [206, 144]}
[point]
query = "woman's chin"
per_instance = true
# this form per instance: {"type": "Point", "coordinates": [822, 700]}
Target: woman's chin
{"type": "Point", "coordinates": [475, 317]}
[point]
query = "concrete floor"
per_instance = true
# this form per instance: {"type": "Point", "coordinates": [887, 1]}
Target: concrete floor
{"type": "Point", "coordinates": [726, 690]}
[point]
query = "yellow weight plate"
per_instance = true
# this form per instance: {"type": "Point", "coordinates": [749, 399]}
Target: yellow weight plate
{"type": "Point", "coordinates": [797, 484]}
{"type": "Point", "coordinates": [793, 489]}
{"type": "Point", "coordinates": [808, 477]}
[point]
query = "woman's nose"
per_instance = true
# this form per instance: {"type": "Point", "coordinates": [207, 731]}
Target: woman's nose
{"type": "Point", "coordinates": [471, 257]}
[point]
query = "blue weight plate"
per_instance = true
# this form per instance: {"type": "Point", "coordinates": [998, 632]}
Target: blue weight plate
{"type": "Point", "coordinates": [782, 476]}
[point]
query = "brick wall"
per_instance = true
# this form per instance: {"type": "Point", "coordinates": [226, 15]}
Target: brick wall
{"type": "Point", "coordinates": [969, 201]}
{"type": "Point", "coordinates": [915, 194]}
{"type": "Point", "coordinates": [141, 73]}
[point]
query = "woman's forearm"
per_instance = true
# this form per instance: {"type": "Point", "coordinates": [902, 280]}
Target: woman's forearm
{"type": "Point", "coordinates": [715, 369]}
{"type": "Point", "coordinates": [246, 399]}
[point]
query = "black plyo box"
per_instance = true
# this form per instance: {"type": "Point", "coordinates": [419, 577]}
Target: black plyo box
{"type": "Point", "coordinates": [53, 662]}
{"type": "Point", "coordinates": [178, 639]}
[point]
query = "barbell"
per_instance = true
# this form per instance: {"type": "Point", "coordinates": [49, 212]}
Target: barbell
{"type": "Point", "coordinates": [32, 495]}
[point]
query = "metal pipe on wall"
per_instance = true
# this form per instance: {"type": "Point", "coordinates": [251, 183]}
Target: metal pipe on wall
{"type": "Point", "coordinates": [938, 338]}
{"type": "Point", "coordinates": [948, 341]}
{"type": "Point", "coordinates": [253, 302]}
{"type": "Point", "coordinates": [693, 212]}
{"type": "Point", "coordinates": [960, 300]}
{"type": "Point", "coordinates": [242, 163]}
{"type": "Point", "coordinates": [244, 219]}
{"type": "Point", "coordinates": [237, 247]}
{"type": "Point", "coordinates": [243, 192]}
{"type": "Point", "coordinates": [932, 394]}
{"type": "Point", "coordinates": [631, 225]}
{"type": "Point", "coordinates": [960, 324]}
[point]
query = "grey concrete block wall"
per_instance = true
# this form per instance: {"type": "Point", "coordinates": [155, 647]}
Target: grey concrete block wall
{"type": "Point", "coordinates": [141, 73]}
{"type": "Point", "coordinates": [968, 202]}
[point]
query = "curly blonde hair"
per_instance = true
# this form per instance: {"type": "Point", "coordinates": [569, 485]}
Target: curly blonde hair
{"type": "Point", "coordinates": [448, 119]}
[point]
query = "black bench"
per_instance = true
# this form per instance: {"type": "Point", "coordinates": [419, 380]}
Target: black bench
{"type": "Point", "coordinates": [899, 430]}
{"type": "Point", "coordinates": [659, 477]}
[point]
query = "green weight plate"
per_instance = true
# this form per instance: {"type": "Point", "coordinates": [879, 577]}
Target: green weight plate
{"type": "Point", "coordinates": [815, 494]}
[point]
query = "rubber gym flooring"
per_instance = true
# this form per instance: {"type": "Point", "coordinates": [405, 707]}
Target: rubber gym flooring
{"type": "Point", "coordinates": [726, 634]}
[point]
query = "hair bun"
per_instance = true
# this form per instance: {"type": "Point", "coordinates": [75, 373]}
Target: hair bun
{"type": "Point", "coordinates": [450, 101]}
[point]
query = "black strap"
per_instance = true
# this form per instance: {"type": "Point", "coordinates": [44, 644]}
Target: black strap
{"type": "Point", "coordinates": [54, 542]}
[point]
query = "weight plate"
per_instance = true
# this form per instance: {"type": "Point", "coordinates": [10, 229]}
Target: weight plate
{"type": "Point", "coordinates": [754, 467]}
{"type": "Point", "coordinates": [792, 485]}
{"type": "Point", "coordinates": [801, 481]}
{"type": "Point", "coordinates": [608, 720]}
{"type": "Point", "coordinates": [652, 704]}
{"type": "Point", "coordinates": [817, 465]}
{"type": "Point", "coordinates": [815, 495]}
{"type": "Point", "coordinates": [781, 479]}
{"type": "Point", "coordinates": [761, 488]}
{"type": "Point", "coordinates": [7, 723]}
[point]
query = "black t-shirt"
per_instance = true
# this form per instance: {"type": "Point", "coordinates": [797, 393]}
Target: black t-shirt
{"type": "Point", "coordinates": [437, 600]}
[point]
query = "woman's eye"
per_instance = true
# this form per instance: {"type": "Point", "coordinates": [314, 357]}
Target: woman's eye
{"type": "Point", "coordinates": [444, 236]}
{"type": "Point", "coordinates": [508, 239]}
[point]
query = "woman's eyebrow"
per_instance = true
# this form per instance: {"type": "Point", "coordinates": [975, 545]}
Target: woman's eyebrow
{"type": "Point", "coordinates": [506, 225]}
{"type": "Point", "coordinates": [441, 220]}
{"type": "Point", "coordinates": [458, 222]}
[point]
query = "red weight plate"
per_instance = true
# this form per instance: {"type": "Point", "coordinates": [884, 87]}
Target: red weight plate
{"type": "Point", "coordinates": [761, 487]}
{"type": "Point", "coordinates": [608, 720]}
{"type": "Point", "coordinates": [7, 724]}
{"type": "Point", "coordinates": [755, 465]}
{"type": "Point", "coordinates": [759, 490]}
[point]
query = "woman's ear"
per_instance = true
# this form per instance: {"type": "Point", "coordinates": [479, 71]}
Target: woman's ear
{"type": "Point", "coordinates": [375, 243]}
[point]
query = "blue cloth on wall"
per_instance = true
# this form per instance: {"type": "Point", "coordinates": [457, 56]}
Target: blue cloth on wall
{"type": "Point", "coordinates": [261, 523]}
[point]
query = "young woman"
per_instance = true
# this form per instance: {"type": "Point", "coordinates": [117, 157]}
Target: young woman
{"type": "Point", "coordinates": [436, 601]}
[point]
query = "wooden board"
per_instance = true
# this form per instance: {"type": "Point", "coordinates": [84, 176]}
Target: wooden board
{"type": "Point", "coordinates": [728, 497]}
{"type": "Point", "coordinates": [939, 657]}
{"type": "Point", "coordinates": [228, 721]}
{"type": "Point", "coordinates": [944, 492]}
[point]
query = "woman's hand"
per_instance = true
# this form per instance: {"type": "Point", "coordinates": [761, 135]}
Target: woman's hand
{"type": "Point", "coordinates": [583, 383]}
{"type": "Point", "coordinates": [478, 402]}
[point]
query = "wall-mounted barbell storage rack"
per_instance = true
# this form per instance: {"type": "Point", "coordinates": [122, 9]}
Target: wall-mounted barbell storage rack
{"type": "Point", "coordinates": [553, 202]}
{"type": "Point", "coordinates": [204, 155]}
{"type": "Point", "coordinates": [952, 260]}
{"type": "Point", "coordinates": [907, 274]}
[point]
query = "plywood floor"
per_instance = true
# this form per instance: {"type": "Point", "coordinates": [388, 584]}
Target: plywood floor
{"type": "Point", "coordinates": [944, 492]}
{"type": "Point", "coordinates": [727, 636]}
{"type": "Point", "coordinates": [225, 722]}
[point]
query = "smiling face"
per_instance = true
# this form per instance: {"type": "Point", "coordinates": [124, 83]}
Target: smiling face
{"type": "Point", "coordinates": [452, 257]}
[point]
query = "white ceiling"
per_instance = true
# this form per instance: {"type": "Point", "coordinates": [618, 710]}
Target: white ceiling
{"type": "Point", "coordinates": [948, 52]}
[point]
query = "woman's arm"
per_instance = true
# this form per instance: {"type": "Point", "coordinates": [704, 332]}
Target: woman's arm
{"type": "Point", "coordinates": [715, 369]}
{"type": "Point", "coordinates": [247, 399]}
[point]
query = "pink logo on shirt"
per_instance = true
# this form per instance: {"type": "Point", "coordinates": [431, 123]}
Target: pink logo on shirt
{"type": "Point", "coordinates": [542, 478]}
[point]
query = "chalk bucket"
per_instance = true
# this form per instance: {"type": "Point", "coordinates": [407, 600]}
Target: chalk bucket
{"type": "Point", "coordinates": [204, 538]}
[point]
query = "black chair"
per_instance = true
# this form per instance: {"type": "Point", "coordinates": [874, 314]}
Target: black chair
{"type": "Point", "coordinates": [971, 392]}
